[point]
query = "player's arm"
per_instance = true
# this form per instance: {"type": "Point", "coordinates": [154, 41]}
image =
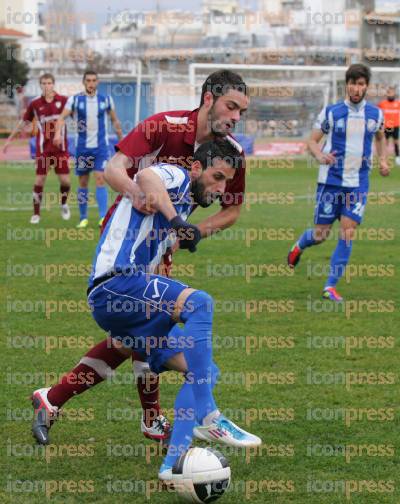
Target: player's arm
{"type": "Point", "coordinates": [116, 176]}
{"type": "Point", "coordinates": [132, 149]}
{"type": "Point", "coordinates": [120, 163]}
{"type": "Point", "coordinates": [223, 219]}
{"type": "Point", "coordinates": [320, 128]}
{"type": "Point", "coordinates": [380, 144]}
{"type": "Point", "coordinates": [155, 192]}
{"type": "Point", "coordinates": [68, 110]}
{"type": "Point", "coordinates": [116, 124]}
{"type": "Point", "coordinates": [21, 125]}
{"type": "Point", "coordinates": [60, 126]}
{"type": "Point", "coordinates": [314, 146]}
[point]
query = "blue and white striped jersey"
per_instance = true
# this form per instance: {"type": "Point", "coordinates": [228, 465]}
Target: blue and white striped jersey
{"type": "Point", "coordinates": [349, 131]}
{"type": "Point", "coordinates": [134, 240]}
{"type": "Point", "coordinates": [90, 113]}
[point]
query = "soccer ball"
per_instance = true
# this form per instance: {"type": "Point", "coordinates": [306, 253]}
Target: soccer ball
{"type": "Point", "coordinates": [205, 475]}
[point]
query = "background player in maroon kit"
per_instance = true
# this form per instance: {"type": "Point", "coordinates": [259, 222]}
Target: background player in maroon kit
{"type": "Point", "coordinates": [171, 137]}
{"type": "Point", "coordinates": [46, 110]}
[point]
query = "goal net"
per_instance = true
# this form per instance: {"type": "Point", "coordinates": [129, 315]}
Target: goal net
{"type": "Point", "coordinates": [285, 99]}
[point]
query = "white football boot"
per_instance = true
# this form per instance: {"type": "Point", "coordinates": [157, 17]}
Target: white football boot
{"type": "Point", "coordinates": [224, 431]}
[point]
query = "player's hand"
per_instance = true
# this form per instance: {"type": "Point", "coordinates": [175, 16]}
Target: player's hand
{"type": "Point", "coordinates": [175, 246]}
{"type": "Point", "coordinates": [188, 234]}
{"type": "Point", "coordinates": [384, 169]}
{"type": "Point", "coordinates": [6, 146]}
{"type": "Point", "coordinates": [139, 201]}
{"type": "Point", "coordinates": [57, 140]}
{"type": "Point", "coordinates": [328, 158]}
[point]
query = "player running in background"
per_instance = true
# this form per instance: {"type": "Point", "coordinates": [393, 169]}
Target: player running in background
{"type": "Point", "coordinates": [350, 127]}
{"type": "Point", "coordinates": [391, 114]}
{"type": "Point", "coordinates": [46, 109]}
{"type": "Point", "coordinates": [166, 136]}
{"type": "Point", "coordinates": [138, 309]}
{"type": "Point", "coordinates": [91, 111]}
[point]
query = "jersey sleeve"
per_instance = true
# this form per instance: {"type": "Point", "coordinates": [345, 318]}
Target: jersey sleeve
{"type": "Point", "coordinates": [142, 144]}
{"type": "Point", "coordinates": [110, 103]}
{"type": "Point", "coordinates": [70, 104]}
{"type": "Point", "coordinates": [322, 121]}
{"type": "Point", "coordinates": [29, 113]}
{"type": "Point", "coordinates": [172, 176]}
{"type": "Point", "coordinates": [381, 120]}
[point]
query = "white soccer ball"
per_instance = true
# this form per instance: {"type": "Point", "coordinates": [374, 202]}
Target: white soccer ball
{"type": "Point", "coordinates": [205, 475]}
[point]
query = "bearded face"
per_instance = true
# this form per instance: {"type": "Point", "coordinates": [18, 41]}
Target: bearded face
{"type": "Point", "coordinates": [226, 111]}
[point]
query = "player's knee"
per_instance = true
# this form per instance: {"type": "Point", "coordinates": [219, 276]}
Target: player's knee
{"type": "Point", "coordinates": [99, 179]}
{"type": "Point", "coordinates": [199, 305]}
{"type": "Point", "coordinates": [320, 235]}
{"type": "Point", "coordinates": [40, 180]}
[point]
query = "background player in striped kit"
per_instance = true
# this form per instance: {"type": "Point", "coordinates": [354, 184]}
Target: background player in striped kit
{"type": "Point", "coordinates": [345, 160]}
{"type": "Point", "coordinates": [91, 111]}
{"type": "Point", "coordinates": [45, 110]}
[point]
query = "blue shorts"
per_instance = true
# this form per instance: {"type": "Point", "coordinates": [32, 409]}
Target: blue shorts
{"type": "Point", "coordinates": [89, 160]}
{"type": "Point", "coordinates": [136, 309]}
{"type": "Point", "coordinates": [331, 202]}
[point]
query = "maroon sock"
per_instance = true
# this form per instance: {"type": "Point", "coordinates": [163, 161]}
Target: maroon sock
{"type": "Point", "coordinates": [149, 394]}
{"type": "Point", "coordinates": [64, 190]}
{"type": "Point", "coordinates": [87, 373]}
{"type": "Point", "coordinates": [37, 198]}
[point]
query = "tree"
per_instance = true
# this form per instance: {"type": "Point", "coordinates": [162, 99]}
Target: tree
{"type": "Point", "coordinates": [13, 73]}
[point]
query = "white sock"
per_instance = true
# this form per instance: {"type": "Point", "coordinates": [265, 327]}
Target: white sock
{"type": "Point", "coordinates": [140, 369]}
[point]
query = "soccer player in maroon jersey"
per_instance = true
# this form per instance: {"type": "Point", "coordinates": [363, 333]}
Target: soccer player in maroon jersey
{"type": "Point", "coordinates": [171, 137]}
{"type": "Point", "coordinates": [45, 109]}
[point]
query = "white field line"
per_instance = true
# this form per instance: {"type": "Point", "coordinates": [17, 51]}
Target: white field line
{"type": "Point", "coordinates": [309, 196]}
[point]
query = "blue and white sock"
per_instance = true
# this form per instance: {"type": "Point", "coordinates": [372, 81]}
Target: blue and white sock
{"type": "Point", "coordinates": [102, 200]}
{"type": "Point", "coordinates": [194, 400]}
{"type": "Point", "coordinates": [339, 260]}
{"type": "Point", "coordinates": [307, 239]}
{"type": "Point", "coordinates": [83, 193]}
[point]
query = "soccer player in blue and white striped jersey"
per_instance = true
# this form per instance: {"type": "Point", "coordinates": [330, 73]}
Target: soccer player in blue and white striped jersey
{"type": "Point", "coordinates": [90, 111]}
{"type": "Point", "coordinates": [349, 127]}
{"type": "Point", "coordinates": [140, 309]}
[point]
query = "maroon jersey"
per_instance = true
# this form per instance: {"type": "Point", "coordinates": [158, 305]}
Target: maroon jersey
{"type": "Point", "coordinates": [170, 137]}
{"type": "Point", "coordinates": [46, 114]}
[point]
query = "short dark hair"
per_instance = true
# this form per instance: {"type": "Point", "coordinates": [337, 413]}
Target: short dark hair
{"type": "Point", "coordinates": [221, 149]}
{"type": "Point", "coordinates": [89, 72]}
{"type": "Point", "coordinates": [47, 75]}
{"type": "Point", "coordinates": [220, 82]}
{"type": "Point", "coordinates": [358, 71]}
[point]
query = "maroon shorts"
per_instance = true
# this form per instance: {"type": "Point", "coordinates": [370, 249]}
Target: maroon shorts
{"type": "Point", "coordinates": [59, 162]}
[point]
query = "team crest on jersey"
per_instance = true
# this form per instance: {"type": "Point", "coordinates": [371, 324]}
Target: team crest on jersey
{"type": "Point", "coordinates": [371, 125]}
{"type": "Point", "coordinates": [58, 104]}
{"type": "Point", "coordinates": [155, 290]}
{"type": "Point", "coordinates": [102, 105]}
{"type": "Point", "coordinates": [328, 208]}
{"type": "Point", "coordinates": [81, 105]}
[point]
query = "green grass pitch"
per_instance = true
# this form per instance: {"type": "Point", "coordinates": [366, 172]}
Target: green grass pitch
{"type": "Point", "coordinates": [318, 382]}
